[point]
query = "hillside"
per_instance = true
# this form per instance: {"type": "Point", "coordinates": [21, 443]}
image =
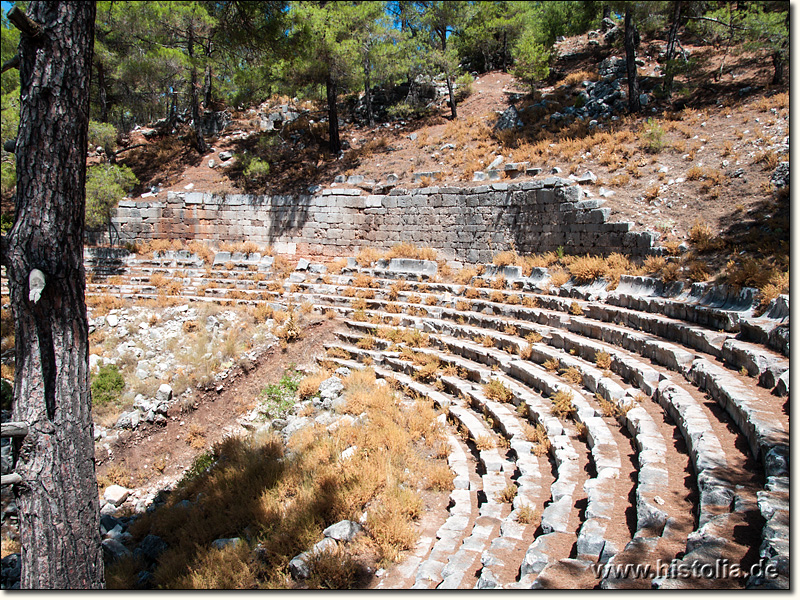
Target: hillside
{"type": "Point", "coordinates": [264, 421]}
{"type": "Point", "coordinates": [705, 158]}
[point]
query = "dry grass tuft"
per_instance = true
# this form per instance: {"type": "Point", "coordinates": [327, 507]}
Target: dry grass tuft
{"type": "Point", "coordinates": [507, 494]}
{"type": "Point", "coordinates": [496, 390]}
{"type": "Point", "coordinates": [408, 250]}
{"type": "Point", "coordinates": [572, 374]}
{"type": "Point", "coordinates": [537, 435]}
{"type": "Point", "coordinates": [484, 442]}
{"type": "Point", "coordinates": [526, 514]}
{"type": "Point", "coordinates": [562, 404]}
{"type": "Point", "coordinates": [602, 360]}
{"type": "Point", "coordinates": [551, 364]}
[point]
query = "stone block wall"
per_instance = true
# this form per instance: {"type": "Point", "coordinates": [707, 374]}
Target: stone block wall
{"type": "Point", "coordinates": [471, 223]}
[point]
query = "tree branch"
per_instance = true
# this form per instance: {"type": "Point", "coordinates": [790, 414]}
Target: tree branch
{"type": "Point", "coordinates": [4, 251]}
{"type": "Point", "coordinates": [718, 22]}
{"type": "Point", "coordinates": [12, 63]}
{"type": "Point", "coordinates": [24, 23]}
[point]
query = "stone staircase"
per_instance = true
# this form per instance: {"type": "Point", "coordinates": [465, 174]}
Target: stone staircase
{"type": "Point", "coordinates": [674, 452]}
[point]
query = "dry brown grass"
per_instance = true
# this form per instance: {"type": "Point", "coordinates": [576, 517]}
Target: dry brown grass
{"type": "Point", "coordinates": [505, 258]}
{"type": "Point", "coordinates": [586, 269]}
{"type": "Point", "coordinates": [485, 442]}
{"type": "Point", "coordinates": [507, 494]}
{"type": "Point", "coordinates": [465, 275]}
{"type": "Point", "coordinates": [551, 364]}
{"type": "Point", "coordinates": [572, 374]}
{"type": "Point", "coordinates": [602, 360]}
{"type": "Point", "coordinates": [609, 409]}
{"type": "Point", "coordinates": [526, 514]}
{"type": "Point", "coordinates": [562, 404]}
{"type": "Point", "coordinates": [102, 304]}
{"type": "Point", "coordinates": [496, 390]}
{"type": "Point", "coordinates": [281, 501]}
{"type": "Point", "coordinates": [701, 235]}
{"type": "Point", "coordinates": [558, 276]}
{"type": "Point", "coordinates": [408, 250]}
{"type": "Point", "coordinates": [538, 435]}
{"type": "Point", "coordinates": [533, 337]}
{"type": "Point", "coordinates": [196, 436]}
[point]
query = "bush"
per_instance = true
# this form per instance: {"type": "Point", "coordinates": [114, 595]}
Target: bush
{"type": "Point", "coordinates": [256, 172]}
{"type": "Point", "coordinates": [463, 87]}
{"type": "Point", "coordinates": [102, 134]}
{"type": "Point", "coordinates": [107, 385]}
{"type": "Point", "coordinates": [654, 137]}
{"type": "Point", "coordinates": [106, 185]}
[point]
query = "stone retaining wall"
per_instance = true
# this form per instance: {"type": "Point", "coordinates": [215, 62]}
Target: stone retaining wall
{"type": "Point", "coordinates": [468, 223]}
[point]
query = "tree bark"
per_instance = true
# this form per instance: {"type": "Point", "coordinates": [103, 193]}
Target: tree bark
{"type": "Point", "coordinates": [335, 144]}
{"type": "Point", "coordinates": [634, 105]}
{"type": "Point", "coordinates": [452, 97]}
{"type": "Point", "coordinates": [102, 92]}
{"type": "Point", "coordinates": [368, 93]}
{"type": "Point", "coordinates": [58, 498]}
{"type": "Point", "coordinates": [208, 88]}
{"type": "Point", "coordinates": [669, 73]}
{"type": "Point", "coordinates": [201, 146]}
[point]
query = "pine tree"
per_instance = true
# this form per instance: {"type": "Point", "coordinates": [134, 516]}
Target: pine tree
{"type": "Point", "coordinates": [57, 498]}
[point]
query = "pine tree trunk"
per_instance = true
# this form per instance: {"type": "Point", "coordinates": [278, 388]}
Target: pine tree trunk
{"type": "Point", "coordinates": [208, 88]}
{"type": "Point", "coordinates": [333, 117]}
{"type": "Point", "coordinates": [452, 97]}
{"type": "Point", "coordinates": [368, 94]}
{"type": "Point", "coordinates": [669, 74]}
{"type": "Point", "coordinates": [634, 105]}
{"type": "Point", "coordinates": [505, 52]}
{"type": "Point", "coordinates": [102, 92]}
{"type": "Point", "coordinates": [201, 146]}
{"type": "Point", "coordinates": [58, 499]}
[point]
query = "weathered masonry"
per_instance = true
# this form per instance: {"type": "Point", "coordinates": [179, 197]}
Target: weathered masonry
{"type": "Point", "coordinates": [467, 223]}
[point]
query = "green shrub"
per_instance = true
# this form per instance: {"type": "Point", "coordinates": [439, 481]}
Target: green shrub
{"type": "Point", "coordinates": [106, 185]}
{"type": "Point", "coordinates": [102, 134]}
{"type": "Point", "coordinates": [107, 385]}
{"type": "Point", "coordinates": [464, 87]}
{"type": "Point", "coordinates": [256, 171]}
{"type": "Point", "coordinates": [654, 137]}
{"type": "Point", "coordinates": [6, 223]}
{"type": "Point", "coordinates": [403, 111]}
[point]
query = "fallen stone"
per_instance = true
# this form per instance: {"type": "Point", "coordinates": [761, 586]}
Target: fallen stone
{"type": "Point", "coordinates": [343, 531]}
{"type": "Point", "coordinates": [114, 550]}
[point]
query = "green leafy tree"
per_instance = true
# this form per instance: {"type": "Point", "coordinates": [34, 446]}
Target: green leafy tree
{"type": "Point", "coordinates": [493, 30]}
{"type": "Point", "coordinates": [9, 107]}
{"type": "Point", "coordinates": [326, 54]}
{"type": "Point", "coordinates": [434, 23]}
{"type": "Point", "coordinates": [542, 24]}
{"type": "Point", "coordinates": [749, 26]}
{"type": "Point", "coordinates": [106, 185]}
{"type": "Point", "coordinates": [250, 47]}
{"type": "Point", "coordinates": [380, 47]}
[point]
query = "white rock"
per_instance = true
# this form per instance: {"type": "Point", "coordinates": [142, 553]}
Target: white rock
{"type": "Point", "coordinates": [112, 320]}
{"type": "Point", "coordinates": [344, 531]}
{"type": "Point", "coordinates": [116, 494]}
{"type": "Point", "coordinates": [164, 393]}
